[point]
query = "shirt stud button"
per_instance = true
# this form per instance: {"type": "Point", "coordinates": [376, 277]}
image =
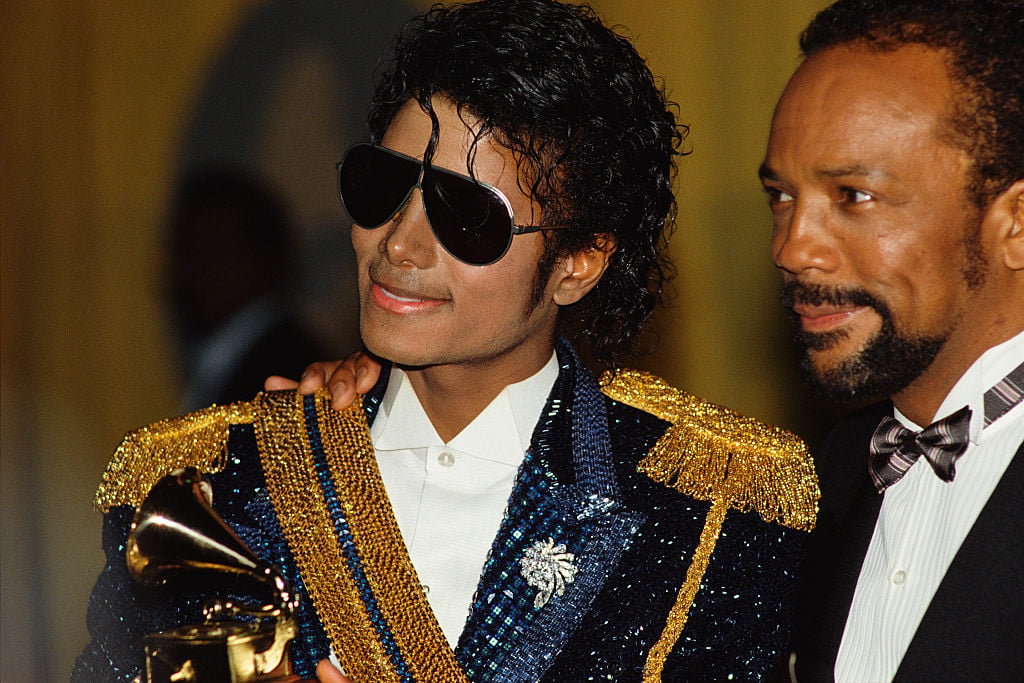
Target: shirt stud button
{"type": "Point", "coordinates": [445, 459]}
{"type": "Point", "coordinates": [899, 577]}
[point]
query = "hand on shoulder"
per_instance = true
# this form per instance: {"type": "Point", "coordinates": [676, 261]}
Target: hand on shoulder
{"type": "Point", "coordinates": [357, 374]}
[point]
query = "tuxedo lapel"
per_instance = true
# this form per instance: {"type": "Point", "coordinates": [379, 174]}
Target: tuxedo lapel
{"type": "Point", "coordinates": [566, 493]}
{"type": "Point", "coordinates": [846, 522]}
{"type": "Point", "coordinates": [830, 579]}
{"type": "Point", "coordinates": [979, 604]}
{"type": "Point", "coordinates": [850, 545]}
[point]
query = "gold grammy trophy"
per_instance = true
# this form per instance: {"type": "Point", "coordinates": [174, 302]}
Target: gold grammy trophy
{"type": "Point", "coordinates": [176, 530]}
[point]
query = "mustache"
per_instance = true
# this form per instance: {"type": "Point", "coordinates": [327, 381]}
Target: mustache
{"type": "Point", "coordinates": [406, 282]}
{"type": "Point", "coordinates": [815, 295]}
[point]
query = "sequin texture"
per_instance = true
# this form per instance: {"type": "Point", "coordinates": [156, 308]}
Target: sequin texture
{"type": "Point", "coordinates": [685, 523]}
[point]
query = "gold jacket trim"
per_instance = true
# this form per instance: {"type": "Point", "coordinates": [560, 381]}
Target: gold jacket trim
{"type": "Point", "coordinates": [197, 440]}
{"type": "Point", "coordinates": [712, 453]}
{"type": "Point", "coordinates": [676, 621]}
{"type": "Point", "coordinates": [296, 493]}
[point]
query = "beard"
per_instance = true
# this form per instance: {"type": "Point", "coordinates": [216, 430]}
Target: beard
{"type": "Point", "coordinates": [887, 363]}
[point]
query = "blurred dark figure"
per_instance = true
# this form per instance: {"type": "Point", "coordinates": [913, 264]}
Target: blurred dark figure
{"type": "Point", "coordinates": [230, 265]}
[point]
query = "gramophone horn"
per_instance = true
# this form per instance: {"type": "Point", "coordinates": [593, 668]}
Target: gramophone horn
{"type": "Point", "coordinates": [176, 529]}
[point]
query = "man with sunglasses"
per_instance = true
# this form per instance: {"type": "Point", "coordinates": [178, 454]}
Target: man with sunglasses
{"type": "Point", "coordinates": [505, 515]}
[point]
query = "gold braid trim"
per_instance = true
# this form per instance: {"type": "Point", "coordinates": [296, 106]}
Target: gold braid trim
{"type": "Point", "coordinates": [296, 493]}
{"type": "Point", "coordinates": [716, 455]}
{"type": "Point", "coordinates": [657, 655]}
{"type": "Point", "coordinates": [712, 453]}
{"type": "Point", "coordinates": [195, 440]}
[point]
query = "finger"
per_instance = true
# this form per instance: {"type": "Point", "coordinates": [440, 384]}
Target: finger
{"type": "Point", "coordinates": [328, 673]}
{"type": "Point", "coordinates": [343, 390]}
{"type": "Point", "coordinates": [356, 375]}
{"type": "Point", "coordinates": [342, 384]}
{"type": "Point", "coordinates": [277, 383]}
{"type": "Point", "coordinates": [367, 372]}
{"type": "Point", "coordinates": [314, 376]}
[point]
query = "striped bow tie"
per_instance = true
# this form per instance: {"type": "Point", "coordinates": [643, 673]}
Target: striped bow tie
{"type": "Point", "coordinates": [894, 448]}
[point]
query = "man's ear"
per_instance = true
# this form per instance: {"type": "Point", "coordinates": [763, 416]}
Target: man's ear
{"type": "Point", "coordinates": [578, 273]}
{"type": "Point", "coordinates": [1008, 210]}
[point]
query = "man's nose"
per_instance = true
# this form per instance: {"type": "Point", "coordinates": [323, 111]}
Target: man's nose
{"type": "Point", "coordinates": [801, 240]}
{"type": "Point", "coordinates": [408, 238]}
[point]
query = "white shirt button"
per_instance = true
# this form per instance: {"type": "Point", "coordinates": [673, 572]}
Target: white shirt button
{"type": "Point", "coordinates": [445, 459]}
{"type": "Point", "coordinates": [899, 576]}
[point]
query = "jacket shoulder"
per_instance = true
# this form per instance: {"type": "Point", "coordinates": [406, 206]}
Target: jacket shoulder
{"type": "Point", "coordinates": [715, 454]}
{"type": "Point", "coordinates": [197, 439]}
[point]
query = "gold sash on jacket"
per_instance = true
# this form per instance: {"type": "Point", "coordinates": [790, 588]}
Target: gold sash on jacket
{"type": "Point", "coordinates": [371, 581]}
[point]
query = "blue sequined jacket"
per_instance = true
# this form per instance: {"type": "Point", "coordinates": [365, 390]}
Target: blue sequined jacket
{"type": "Point", "coordinates": [685, 522]}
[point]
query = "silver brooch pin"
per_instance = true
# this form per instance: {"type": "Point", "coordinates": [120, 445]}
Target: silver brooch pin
{"type": "Point", "coordinates": [548, 568]}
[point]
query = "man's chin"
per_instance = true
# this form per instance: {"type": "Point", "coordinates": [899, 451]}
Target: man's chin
{"type": "Point", "coordinates": [827, 368]}
{"type": "Point", "coordinates": [405, 358]}
{"type": "Point", "coordinates": [841, 382]}
{"type": "Point", "coordinates": [884, 365]}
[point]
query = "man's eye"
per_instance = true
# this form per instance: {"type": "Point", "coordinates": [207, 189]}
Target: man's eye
{"type": "Point", "coordinates": [777, 196]}
{"type": "Point", "coordinates": [852, 196]}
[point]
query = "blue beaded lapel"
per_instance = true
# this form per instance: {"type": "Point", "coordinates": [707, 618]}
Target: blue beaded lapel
{"type": "Point", "coordinates": [566, 492]}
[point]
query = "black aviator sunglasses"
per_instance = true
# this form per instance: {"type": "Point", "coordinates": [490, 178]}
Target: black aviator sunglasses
{"type": "Point", "coordinates": [471, 219]}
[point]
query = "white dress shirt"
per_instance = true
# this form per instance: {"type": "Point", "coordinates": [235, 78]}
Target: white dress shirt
{"type": "Point", "coordinates": [449, 498]}
{"type": "Point", "coordinates": [922, 523]}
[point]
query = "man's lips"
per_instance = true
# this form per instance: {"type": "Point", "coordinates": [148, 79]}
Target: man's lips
{"type": "Point", "coordinates": [401, 301]}
{"type": "Point", "coordinates": [825, 317]}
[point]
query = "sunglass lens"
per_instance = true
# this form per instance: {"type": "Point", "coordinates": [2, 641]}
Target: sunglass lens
{"type": "Point", "coordinates": [472, 223]}
{"type": "Point", "coordinates": [374, 184]}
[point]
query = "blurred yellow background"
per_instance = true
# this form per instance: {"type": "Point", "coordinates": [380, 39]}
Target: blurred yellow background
{"type": "Point", "coordinates": [104, 102]}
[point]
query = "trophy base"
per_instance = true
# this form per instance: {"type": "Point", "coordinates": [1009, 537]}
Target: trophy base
{"type": "Point", "coordinates": [229, 652]}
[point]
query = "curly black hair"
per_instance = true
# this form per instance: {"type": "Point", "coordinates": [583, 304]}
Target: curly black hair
{"type": "Point", "coordinates": [982, 42]}
{"type": "Point", "coordinates": [591, 129]}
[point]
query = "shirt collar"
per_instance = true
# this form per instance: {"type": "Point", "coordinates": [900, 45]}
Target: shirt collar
{"type": "Point", "coordinates": [988, 370]}
{"type": "Point", "coordinates": [501, 432]}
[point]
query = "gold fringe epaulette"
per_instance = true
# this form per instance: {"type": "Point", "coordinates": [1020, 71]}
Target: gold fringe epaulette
{"type": "Point", "coordinates": [195, 440]}
{"type": "Point", "coordinates": [713, 453]}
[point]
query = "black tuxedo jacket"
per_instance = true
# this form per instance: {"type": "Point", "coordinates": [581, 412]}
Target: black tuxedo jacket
{"type": "Point", "coordinates": [973, 629]}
